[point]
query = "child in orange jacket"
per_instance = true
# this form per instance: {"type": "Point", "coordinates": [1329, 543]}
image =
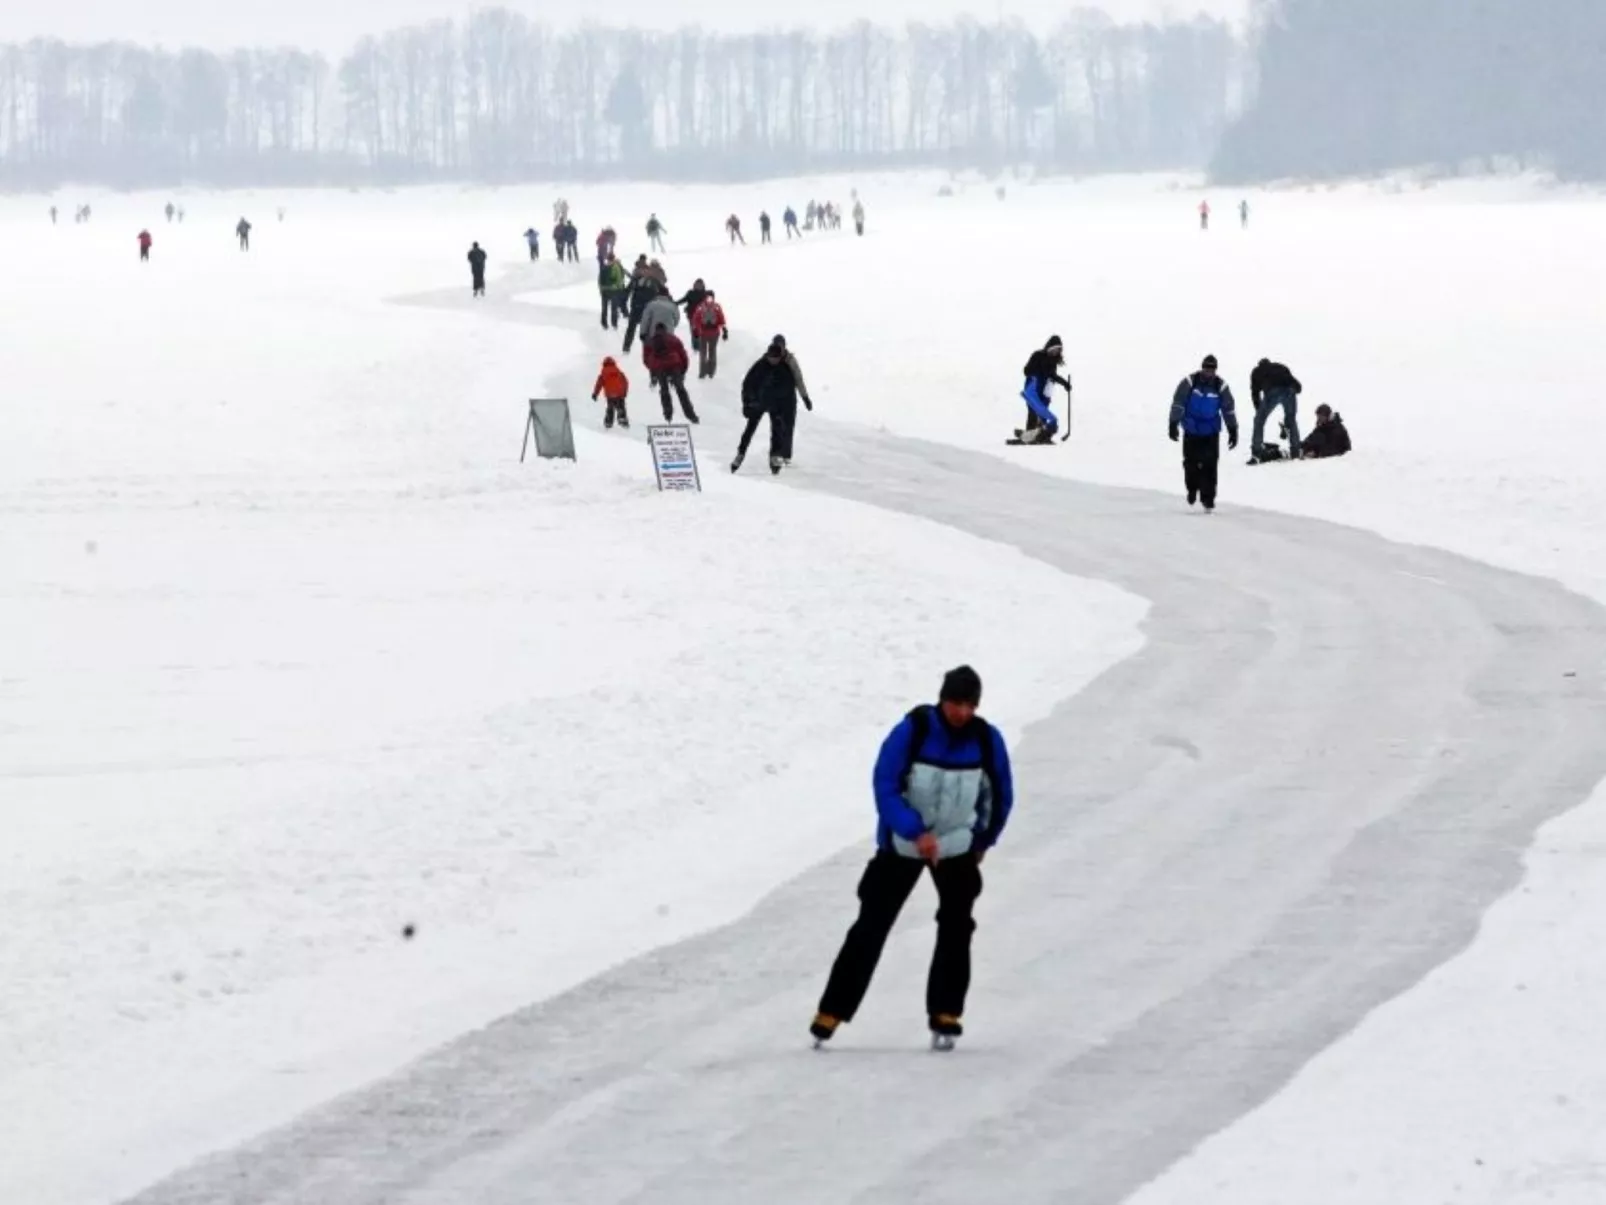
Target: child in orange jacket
{"type": "Point", "coordinates": [615, 386]}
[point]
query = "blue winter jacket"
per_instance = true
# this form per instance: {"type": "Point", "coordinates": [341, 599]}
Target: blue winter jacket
{"type": "Point", "coordinates": [945, 792]}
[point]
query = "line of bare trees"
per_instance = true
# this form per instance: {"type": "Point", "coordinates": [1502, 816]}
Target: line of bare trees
{"type": "Point", "coordinates": [1348, 87]}
{"type": "Point", "coordinates": [498, 97]}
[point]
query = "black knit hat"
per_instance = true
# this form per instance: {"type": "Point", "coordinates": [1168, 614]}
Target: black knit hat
{"type": "Point", "coordinates": [1209, 364]}
{"type": "Point", "coordinates": [962, 685]}
{"type": "Point", "coordinates": [1055, 343]}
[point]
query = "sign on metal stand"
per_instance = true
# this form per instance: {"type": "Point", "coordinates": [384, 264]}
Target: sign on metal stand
{"type": "Point", "coordinates": [554, 433]}
{"type": "Point", "coordinates": [674, 458]}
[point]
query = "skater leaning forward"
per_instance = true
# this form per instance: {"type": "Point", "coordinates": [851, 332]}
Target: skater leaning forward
{"type": "Point", "coordinates": [943, 793]}
{"type": "Point", "coordinates": [772, 387]}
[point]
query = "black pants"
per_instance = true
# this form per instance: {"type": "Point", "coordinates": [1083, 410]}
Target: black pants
{"type": "Point", "coordinates": [616, 412]}
{"type": "Point", "coordinates": [677, 381]}
{"type": "Point", "coordinates": [144, 253]}
{"type": "Point", "coordinates": [783, 421]}
{"type": "Point", "coordinates": [1201, 456]}
{"type": "Point", "coordinates": [766, 234]}
{"type": "Point", "coordinates": [883, 889]}
{"type": "Point", "coordinates": [611, 309]}
{"type": "Point", "coordinates": [632, 327]}
{"type": "Point", "coordinates": [707, 356]}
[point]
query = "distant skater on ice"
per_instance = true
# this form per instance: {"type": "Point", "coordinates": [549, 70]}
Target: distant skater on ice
{"type": "Point", "coordinates": [1204, 215]}
{"type": "Point", "coordinates": [532, 237]}
{"type": "Point", "coordinates": [1243, 215]}
{"type": "Point", "coordinates": [1200, 406]}
{"type": "Point", "coordinates": [476, 267]}
{"type": "Point", "coordinates": [144, 245]}
{"type": "Point", "coordinates": [655, 232]}
{"type": "Point", "coordinates": [243, 232]}
{"type": "Point", "coordinates": [943, 795]}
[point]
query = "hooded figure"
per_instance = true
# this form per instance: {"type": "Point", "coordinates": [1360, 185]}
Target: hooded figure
{"type": "Point", "coordinates": [613, 385]}
{"type": "Point", "coordinates": [476, 267]}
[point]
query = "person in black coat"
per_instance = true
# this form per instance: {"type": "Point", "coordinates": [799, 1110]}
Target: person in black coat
{"type": "Point", "coordinates": [772, 386]}
{"type": "Point", "coordinates": [1271, 386]}
{"type": "Point", "coordinates": [1331, 437]}
{"type": "Point", "coordinates": [695, 296]}
{"type": "Point", "coordinates": [476, 266]}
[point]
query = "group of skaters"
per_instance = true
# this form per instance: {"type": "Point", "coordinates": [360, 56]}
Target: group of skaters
{"type": "Point", "coordinates": [242, 233]}
{"type": "Point", "coordinates": [1202, 405]}
{"type": "Point", "coordinates": [772, 387]}
{"type": "Point", "coordinates": [80, 216]}
{"type": "Point", "coordinates": [816, 216]}
{"type": "Point", "coordinates": [1204, 215]}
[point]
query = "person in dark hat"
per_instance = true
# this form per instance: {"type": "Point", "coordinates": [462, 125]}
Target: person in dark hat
{"type": "Point", "coordinates": [943, 794]}
{"type": "Point", "coordinates": [1043, 369]}
{"type": "Point", "coordinates": [772, 387]}
{"type": "Point", "coordinates": [1200, 406]}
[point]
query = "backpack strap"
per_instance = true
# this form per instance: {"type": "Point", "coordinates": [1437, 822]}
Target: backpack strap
{"type": "Point", "coordinates": [978, 729]}
{"type": "Point", "coordinates": [919, 729]}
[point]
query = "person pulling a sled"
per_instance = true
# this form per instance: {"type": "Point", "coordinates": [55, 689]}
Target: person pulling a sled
{"type": "Point", "coordinates": [943, 794]}
{"type": "Point", "coordinates": [1043, 370]}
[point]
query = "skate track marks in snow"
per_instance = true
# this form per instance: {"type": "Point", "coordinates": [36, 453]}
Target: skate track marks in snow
{"type": "Point", "coordinates": [1327, 760]}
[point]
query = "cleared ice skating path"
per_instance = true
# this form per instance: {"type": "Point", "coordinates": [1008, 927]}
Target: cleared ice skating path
{"type": "Point", "coordinates": [1294, 802]}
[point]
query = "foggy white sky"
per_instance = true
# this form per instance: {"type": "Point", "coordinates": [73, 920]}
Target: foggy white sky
{"type": "Point", "coordinates": [332, 25]}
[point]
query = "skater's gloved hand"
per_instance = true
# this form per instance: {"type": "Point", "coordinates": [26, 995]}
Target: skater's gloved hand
{"type": "Point", "coordinates": [808, 403]}
{"type": "Point", "coordinates": [1175, 434]}
{"type": "Point", "coordinates": [1232, 441]}
{"type": "Point", "coordinates": [727, 335]}
{"type": "Point", "coordinates": [928, 847]}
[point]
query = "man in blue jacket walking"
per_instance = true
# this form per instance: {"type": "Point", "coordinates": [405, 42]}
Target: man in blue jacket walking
{"type": "Point", "coordinates": [943, 793]}
{"type": "Point", "coordinates": [1199, 407]}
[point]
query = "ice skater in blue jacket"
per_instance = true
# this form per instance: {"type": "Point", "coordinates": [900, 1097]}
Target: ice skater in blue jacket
{"type": "Point", "coordinates": [943, 793]}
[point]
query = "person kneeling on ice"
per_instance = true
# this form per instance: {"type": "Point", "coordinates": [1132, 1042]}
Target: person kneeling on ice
{"type": "Point", "coordinates": [1042, 371]}
{"type": "Point", "coordinates": [1201, 403]}
{"type": "Point", "coordinates": [613, 385]}
{"type": "Point", "coordinates": [1331, 437]}
{"type": "Point", "coordinates": [943, 794]}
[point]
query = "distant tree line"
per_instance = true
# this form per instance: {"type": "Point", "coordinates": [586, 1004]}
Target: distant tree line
{"type": "Point", "coordinates": [1348, 87]}
{"type": "Point", "coordinates": [500, 98]}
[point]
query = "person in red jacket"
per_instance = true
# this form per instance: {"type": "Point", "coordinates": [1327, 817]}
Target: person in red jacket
{"type": "Point", "coordinates": [666, 359]}
{"type": "Point", "coordinates": [708, 325]}
{"type": "Point", "coordinates": [615, 386]}
{"type": "Point", "coordinates": [144, 245]}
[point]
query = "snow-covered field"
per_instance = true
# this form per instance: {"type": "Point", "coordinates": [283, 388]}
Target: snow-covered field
{"type": "Point", "coordinates": [294, 652]}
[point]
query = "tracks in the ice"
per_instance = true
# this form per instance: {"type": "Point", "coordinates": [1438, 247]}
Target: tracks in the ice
{"type": "Point", "coordinates": [1296, 800]}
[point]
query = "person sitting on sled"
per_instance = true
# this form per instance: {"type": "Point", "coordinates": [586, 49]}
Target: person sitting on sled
{"type": "Point", "coordinates": [1042, 371]}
